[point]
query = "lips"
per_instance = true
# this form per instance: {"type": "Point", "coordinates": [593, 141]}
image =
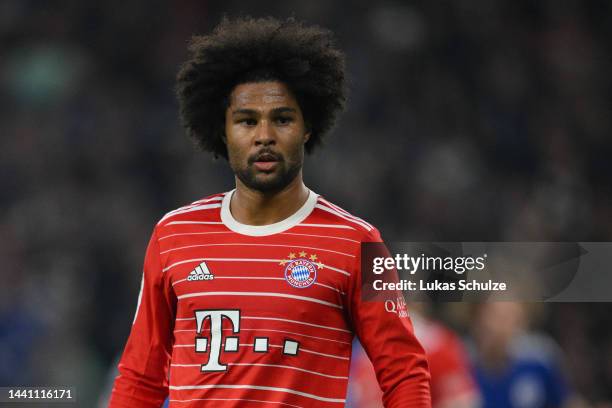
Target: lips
{"type": "Point", "coordinates": [266, 157]}
{"type": "Point", "coordinates": [266, 161]}
{"type": "Point", "coordinates": [265, 166]}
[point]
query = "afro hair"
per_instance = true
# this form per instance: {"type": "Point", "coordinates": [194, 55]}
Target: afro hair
{"type": "Point", "coordinates": [251, 50]}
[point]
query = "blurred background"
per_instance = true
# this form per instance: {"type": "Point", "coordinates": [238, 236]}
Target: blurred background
{"type": "Point", "coordinates": [482, 120]}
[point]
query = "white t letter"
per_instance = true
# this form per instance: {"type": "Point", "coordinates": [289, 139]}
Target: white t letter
{"type": "Point", "coordinates": [216, 336]}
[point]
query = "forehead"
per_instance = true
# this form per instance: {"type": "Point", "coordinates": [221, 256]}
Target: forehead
{"type": "Point", "coordinates": [271, 93]}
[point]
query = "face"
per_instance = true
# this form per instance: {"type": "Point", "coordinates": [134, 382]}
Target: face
{"type": "Point", "coordinates": [265, 135]}
{"type": "Point", "coordinates": [498, 323]}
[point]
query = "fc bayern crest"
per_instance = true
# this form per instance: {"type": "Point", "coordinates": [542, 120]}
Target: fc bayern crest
{"type": "Point", "coordinates": [301, 272]}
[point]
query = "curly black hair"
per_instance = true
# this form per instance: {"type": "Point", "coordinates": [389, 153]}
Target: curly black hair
{"type": "Point", "coordinates": [251, 50]}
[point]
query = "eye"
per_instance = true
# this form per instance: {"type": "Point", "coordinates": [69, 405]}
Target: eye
{"type": "Point", "coordinates": [284, 120]}
{"type": "Point", "coordinates": [248, 121]}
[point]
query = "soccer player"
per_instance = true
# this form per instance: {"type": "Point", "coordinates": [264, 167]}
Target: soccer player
{"type": "Point", "coordinates": [252, 297]}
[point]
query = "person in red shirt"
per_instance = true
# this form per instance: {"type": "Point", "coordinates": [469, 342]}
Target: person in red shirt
{"type": "Point", "coordinates": [452, 382]}
{"type": "Point", "coordinates": [252, 297]}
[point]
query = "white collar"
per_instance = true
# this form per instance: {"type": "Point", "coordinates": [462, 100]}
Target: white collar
{"type": "Point", "coordinates": [269, 229]}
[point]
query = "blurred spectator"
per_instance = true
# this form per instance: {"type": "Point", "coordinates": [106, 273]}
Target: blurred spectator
{"type": "Point", "coordinates": [452, 385]}
{"type": "Point", "coordinates": [515, 368]}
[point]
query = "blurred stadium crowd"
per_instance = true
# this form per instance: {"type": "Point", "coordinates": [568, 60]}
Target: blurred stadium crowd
{"type": "Point", "coordinates": [483, 120]}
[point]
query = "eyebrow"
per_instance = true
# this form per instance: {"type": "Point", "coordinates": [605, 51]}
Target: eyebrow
{"type": "Point", "coordinates": [283, 109]}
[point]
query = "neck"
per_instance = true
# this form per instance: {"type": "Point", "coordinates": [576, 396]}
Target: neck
{"type": "Point", "coordinates": [253, 207]}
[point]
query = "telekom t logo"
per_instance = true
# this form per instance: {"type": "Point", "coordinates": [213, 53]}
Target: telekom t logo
{"type": "Point", "coordinates": [216, 336]}
{"type": "Point", "coordinates": [289, 348]}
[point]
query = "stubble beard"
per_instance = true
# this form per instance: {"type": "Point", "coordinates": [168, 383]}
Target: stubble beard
{"type": "Point", "coordinates": [287, 171]}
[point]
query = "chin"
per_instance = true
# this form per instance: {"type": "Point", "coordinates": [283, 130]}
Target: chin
{"type": "Point", "coordinates": [272, 182]}
{"type": "Point", "coordinates": [266, 183]}
{"type": "Point", "coordinates": [269, 186]}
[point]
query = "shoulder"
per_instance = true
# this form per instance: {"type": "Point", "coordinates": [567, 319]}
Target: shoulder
{"type": "Point", "coordinates": [207, 207]}
{"type": "Point", "coordinates": [333, 214]}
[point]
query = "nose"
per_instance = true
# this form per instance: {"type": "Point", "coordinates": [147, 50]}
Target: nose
{"type": "Point", "coordinates": [265, 134]}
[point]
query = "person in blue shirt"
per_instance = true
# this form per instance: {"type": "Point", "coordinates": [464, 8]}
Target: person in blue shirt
{"type": "Point", "coordinates": [513, 367]}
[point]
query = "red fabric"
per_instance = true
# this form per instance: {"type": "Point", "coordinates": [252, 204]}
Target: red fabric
{"type": "Point", "coordinates": [249, 276]}
{"type": "Point", "coordinates": [450, 374]}
{"type": "Point", "coordinates": [448, 362]}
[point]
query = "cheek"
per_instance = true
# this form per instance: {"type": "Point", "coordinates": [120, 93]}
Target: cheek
{"type": "Point", "coordinates": [235, 152]}
{"type": "Point", "coordinates": [297, 151]}
{"type": "Point", "coordinates": [292, 137]}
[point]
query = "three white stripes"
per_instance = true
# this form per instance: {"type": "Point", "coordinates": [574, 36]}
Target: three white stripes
{"type": "Point", "coordinates": [195, 206]}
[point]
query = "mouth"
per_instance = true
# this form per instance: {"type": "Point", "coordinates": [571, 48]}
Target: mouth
{"type": "Point", "coordinates": [265, 166]}
{"type": "Point", "coordinates": [266, 162]}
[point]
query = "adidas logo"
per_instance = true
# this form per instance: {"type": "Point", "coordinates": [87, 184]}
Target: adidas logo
{"type": "Point", "coordinates": [200, 273]}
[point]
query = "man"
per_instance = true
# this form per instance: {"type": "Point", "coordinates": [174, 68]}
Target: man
{"type": "Point", "coordinates": [252, 297]}
{"type": "Point", "coordinates": [516, 367]}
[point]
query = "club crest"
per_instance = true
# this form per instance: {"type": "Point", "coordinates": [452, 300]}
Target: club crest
{"type": "Point", "coordinates": [301, 272]}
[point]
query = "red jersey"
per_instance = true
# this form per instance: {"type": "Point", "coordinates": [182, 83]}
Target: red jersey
{"type": "Point", "coordinates": [234, 315]}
